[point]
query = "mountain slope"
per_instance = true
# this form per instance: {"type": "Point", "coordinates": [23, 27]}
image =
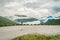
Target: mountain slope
{"type": "Point", "coordinates": [5, 21]}
{"type": "Point", "coordinates": [52, 22]}
{"type": "Point", "coordinates": [26, 20]}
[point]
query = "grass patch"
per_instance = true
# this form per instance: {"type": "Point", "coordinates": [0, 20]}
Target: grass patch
{"type": "Point", "coordinates": [37, 37]}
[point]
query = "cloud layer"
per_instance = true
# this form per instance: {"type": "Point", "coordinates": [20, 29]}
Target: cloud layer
{"type": "Point", "coordinates": [32, 8]}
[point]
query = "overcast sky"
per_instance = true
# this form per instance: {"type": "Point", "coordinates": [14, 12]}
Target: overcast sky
{"type": "Point", "coordinates": [33, 8]}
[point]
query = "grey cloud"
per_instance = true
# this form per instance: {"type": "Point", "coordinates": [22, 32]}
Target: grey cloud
{"type": "Point", "coordinates": [56, 0]}
{"type": "Point", "coordinates": [56, 9]}
{"type": "Point", "coordinates": [36, 4]}
{"type": "Point", "coordinates": [39, 3]}
{"type": "Point", "coordinates": [32, 5]}
{"type": "Point", "coordinates": [3, 2]}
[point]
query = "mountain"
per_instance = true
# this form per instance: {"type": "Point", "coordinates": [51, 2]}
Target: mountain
{"type": "Point", "coordinates": [26, 20]}
{"type": "Point", "coordinates": [52, 22]}
{"type": "Point", "coordinates": [22, 19]}
{"type": "Point", "coordinates": [49, 20]}
{"type": "Point", "coordinates": [5, 21]}
{"type": "Point", "coordinates": [45, 19]}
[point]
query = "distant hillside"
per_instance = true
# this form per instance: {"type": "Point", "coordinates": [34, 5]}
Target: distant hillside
{"type": "Point", "coordinates": [52, 22]}
{"type": "Point", "coordinates": [26, 20]}
{"type": "Point", "coordinates": [5, 21]}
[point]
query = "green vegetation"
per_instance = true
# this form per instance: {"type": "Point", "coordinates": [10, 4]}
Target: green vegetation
{"type": "Point", "coordinates": [38, 37]}
{"type": "Point", "coordinates": [52, 22]}
{"type": "Point", "coordinates": [5, 22]}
